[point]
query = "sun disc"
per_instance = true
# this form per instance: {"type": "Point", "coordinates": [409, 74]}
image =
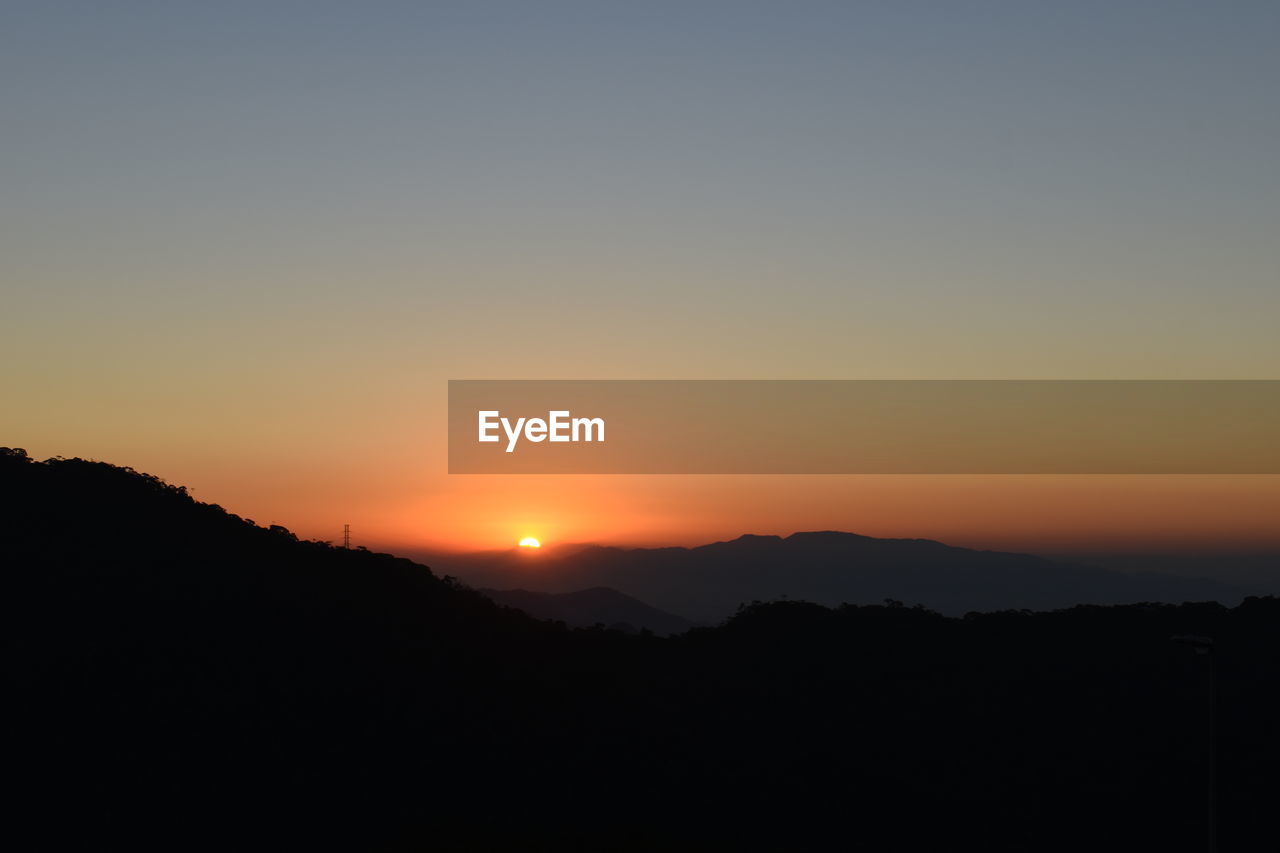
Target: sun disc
{"type": "Point", "coordinates": [530, 542]}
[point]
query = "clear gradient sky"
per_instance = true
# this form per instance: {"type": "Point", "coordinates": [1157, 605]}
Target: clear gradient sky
{"type": "Point", "coordinates": [244, 245]}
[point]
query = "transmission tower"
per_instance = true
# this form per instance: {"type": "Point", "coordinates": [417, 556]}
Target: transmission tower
{"type": "Point", "coordinates": [346, 536]}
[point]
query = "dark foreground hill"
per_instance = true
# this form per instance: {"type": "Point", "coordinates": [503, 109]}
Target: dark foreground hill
{"type": "Point", "coordinates": [175, 676]}
{"type": "Point", "coordinates": [707, 583]}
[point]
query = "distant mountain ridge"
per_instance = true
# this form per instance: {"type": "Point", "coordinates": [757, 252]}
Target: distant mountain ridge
{"type": "Point", "coordinates": [708, 582]}
{"type": "Point", "coordinates": [588, 607]}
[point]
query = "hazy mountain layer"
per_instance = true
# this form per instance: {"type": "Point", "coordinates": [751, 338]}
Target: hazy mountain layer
{"type": "Point", "coordinates": [708, 583]}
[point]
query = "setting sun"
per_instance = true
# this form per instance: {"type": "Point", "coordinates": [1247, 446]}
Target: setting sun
{"type": "Point", "coordinates": [530, 542]}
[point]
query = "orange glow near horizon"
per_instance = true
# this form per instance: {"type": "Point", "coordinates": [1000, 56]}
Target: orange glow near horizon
{"type": "Point", "coordinates": [1027, 513]}
{"type": "Point", "coordinates": [403, 504]}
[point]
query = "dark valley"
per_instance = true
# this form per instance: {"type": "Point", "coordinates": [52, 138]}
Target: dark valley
{"type": "Point", "coordinates": [207, 679]}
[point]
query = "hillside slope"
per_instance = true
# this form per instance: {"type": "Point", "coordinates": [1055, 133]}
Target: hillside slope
{"type": "Point", "coordinates": [204, 678]}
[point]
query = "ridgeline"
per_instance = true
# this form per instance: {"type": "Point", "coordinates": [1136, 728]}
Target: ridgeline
{"type": "Point", "coordinates": [179, 674]}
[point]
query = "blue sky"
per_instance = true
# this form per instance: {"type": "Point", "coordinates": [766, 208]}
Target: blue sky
{"type": "Point", "coordinates": [218, 218]}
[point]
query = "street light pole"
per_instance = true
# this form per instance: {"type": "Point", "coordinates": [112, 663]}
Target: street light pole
{"type": "Point", "coordinates": [1204, 646]}
{"type": "Point", "coordinates": [1213, 756]}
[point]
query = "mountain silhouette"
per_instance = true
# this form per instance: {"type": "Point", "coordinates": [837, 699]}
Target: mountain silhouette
{"type": "Point", "coordinates": [178, 677]}
{"type": "Point", "coordinates": [588, 607]}
{"type": "Point", "coordinates": [709, 582]}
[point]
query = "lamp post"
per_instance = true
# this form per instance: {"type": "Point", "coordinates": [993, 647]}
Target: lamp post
{"type": "Point", "coordinates": [1204, 647]}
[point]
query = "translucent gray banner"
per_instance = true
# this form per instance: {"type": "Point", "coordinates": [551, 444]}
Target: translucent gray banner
{"type": "Point", "coordinates": [864, 427]}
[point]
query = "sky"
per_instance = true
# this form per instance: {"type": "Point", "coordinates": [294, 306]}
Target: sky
{"type": "Point", "coordinates": [243, 246]}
